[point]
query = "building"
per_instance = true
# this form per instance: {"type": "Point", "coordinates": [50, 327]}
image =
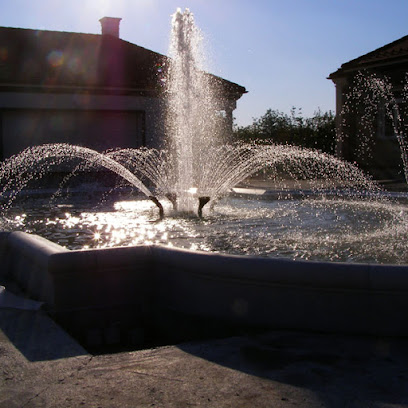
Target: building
{"type": "Point", "coordinates": [92, 90]}
{"type": "Point", "coordinates": [372, 145]}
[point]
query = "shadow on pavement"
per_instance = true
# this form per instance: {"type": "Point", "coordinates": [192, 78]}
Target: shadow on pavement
{"type": "Point", "coordinates": [37, 336]}
{"type": "Point", "coordinates": [342, 370]}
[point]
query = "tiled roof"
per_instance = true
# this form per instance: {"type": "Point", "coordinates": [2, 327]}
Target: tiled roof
{"type": "Point", "coordinates": [55, 60]}
{"type": "Point", "coordinates": [392, 53]}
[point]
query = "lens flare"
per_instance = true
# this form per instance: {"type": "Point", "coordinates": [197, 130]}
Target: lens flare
{"type": "Point", "coordinates": [55, 58]}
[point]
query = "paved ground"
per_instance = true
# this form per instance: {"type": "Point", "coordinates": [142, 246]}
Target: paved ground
{"type": "Point", "coordinates": [41, 366]}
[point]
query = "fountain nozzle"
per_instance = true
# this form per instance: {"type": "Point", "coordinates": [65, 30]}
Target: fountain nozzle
{"type": "Point", "coordinates": [173, 199]}
{"type": "Point", "coordinates": [202, 202]}
{"type": "Point", "coordinates": [157, 202]}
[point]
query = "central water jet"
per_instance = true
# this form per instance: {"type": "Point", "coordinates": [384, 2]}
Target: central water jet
{"type": "Point", "coordinates": [192, 125]}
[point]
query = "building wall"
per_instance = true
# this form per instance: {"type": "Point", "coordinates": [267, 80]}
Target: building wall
{"type": "Point", "coordinates": [97, 121]}
{"type": "Point", "coordinates": [97, 129]}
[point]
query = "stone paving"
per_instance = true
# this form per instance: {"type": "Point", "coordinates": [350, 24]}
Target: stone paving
{"type": "Point", "coordinates": [42, 366]}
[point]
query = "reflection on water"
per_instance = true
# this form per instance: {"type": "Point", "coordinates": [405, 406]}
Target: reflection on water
{"type": "Point", "coordinates": [336, 230]}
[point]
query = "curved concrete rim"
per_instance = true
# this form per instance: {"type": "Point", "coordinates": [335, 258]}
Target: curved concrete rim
{"type": "Point", "coordinates": [240, 290]}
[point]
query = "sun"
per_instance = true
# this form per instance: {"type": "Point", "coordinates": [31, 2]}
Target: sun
{"type": "Point", "coordinates": [104, 7]}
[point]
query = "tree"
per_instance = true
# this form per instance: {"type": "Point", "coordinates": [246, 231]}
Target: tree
{"type": "Point", "coordinates": [318, 132]}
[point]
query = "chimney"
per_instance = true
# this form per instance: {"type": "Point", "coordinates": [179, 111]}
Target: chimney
{"type": "Point", "coordinates": [110, 26]}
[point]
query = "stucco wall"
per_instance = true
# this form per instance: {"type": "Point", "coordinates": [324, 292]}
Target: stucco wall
{"type": "Point", "coordinates": [96, 121]}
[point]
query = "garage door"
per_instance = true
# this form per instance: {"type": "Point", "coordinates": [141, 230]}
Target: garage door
{"type": "Point", "coordinates": [99, 130]}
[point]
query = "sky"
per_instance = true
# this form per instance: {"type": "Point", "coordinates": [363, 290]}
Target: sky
{"type": "Point", "coordinates": [281, 51]}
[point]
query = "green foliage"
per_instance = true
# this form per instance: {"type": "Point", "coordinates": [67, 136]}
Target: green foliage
{"type": "Point", "coordinates": [318, 132]}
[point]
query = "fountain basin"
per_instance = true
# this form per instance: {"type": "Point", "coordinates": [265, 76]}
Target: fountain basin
{"type": "Point", "coordinates": [164, 290]}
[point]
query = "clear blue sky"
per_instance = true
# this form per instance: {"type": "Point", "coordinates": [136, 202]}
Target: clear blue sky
{"type": "Point", "coordinates": [280, 50]}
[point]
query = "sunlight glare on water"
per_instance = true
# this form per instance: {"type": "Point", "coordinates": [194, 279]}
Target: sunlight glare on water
{"type": "Point", "coordinates": [310, 229]}
{"type": "Point", "coordinates": [131, 223]}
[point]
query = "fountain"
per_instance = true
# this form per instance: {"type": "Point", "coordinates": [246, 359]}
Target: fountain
{"type": "Point", "coordinates": [197, 181]}
{"type": "Point", "coordinates": [371, 96]}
